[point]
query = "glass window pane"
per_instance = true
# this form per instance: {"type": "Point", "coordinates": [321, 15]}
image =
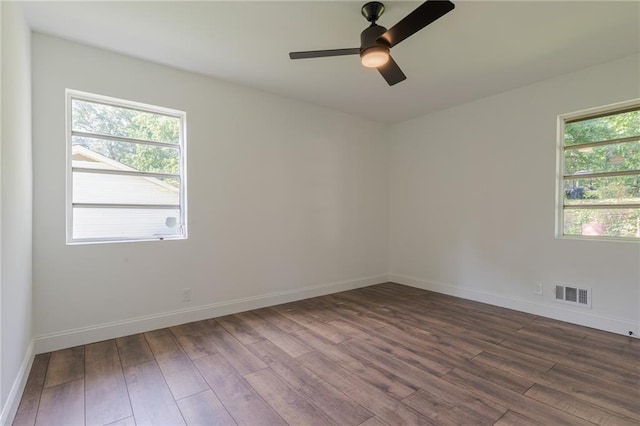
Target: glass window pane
{"type": "Point", "coordinates": [124, 122]}
{"type": "Point", "coordinates": [602, 128]}
{"type": "Point", "coordinates": [112, 155]}
{"type": "Point", "coordinates": [623, 223]}
{"type": "Point", "coordinates": [609, 190]}
{"type": "Point", "coordinates": [606, 158]}
{"type": "Point", "coordinates": [121, 189]}
{"type": "Point", "coordinates": [125, 223]}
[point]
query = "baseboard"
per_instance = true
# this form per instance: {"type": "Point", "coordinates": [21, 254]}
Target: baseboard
{"type": "Point", "coordinates": [97, 333]}
{"type": "Point", "coordinates": [560, 312]}
{"type": "Point", "coordinates": [10, 407]}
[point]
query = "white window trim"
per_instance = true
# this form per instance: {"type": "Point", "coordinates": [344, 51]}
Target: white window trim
{"type": "Point", "coordinates": [559, 226]}
{"type": "Point", "coordinates": [181, 115]}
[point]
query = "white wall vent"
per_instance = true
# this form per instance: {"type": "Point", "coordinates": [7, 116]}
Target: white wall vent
{"type": "Point", "coordinates": [573, 295]}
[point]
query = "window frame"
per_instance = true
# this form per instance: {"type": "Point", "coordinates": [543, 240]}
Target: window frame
{"type": "Point", "coordinates": [70, 95]}
{"type": "Point", "coordinates": [591, 113]}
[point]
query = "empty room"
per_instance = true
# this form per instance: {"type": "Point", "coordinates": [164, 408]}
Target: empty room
{"type": "Point", "coordinates": [320, 213]}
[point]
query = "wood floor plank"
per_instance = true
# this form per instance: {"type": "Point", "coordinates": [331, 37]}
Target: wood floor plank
{"type": "Point", "coordinates": [373, 399]}
{"type": "Point", "coordinates": [107, 399]}
{"type": "Point", "coordinates": [550, 351]}
{"type": "Point", "coordinates": [378, 377]}
{"type": "Point", "coordinates": [62, 404]}
{"type": "Point", "coordinates": [395, 365]}
{"type": "Point", "coordinates": [239, 398]}
{"type": "Point", "coordinates": [347, 328]}
{"type": "Point", "coordinates": [28, 408]}
{"type": "Point", "coordinates": [129, 421]}
{"type": "Point", "coordinates": [284, 341]}
{"type": "Point", "coordinates": [499, 377]}
{"type": "Point", "coordinates": [374, 421]}
{"type": "Point", "coordinates": [512, 418]}
{"type": "Point", "coordinates": [578, 408]}
{"type": "Point", "coordinates": [413, 336]}
{"type": "Point", "coordinates": [205, 409]}
{"type": "Point", "coordinates": [591, 363]}
{"type": "Point", "coordinates": [460, 396]}
{"type": "Point", "coordinates": [518, 366]}
{"type": "Point", "coordinates": [150, 396]}
{"type": "Point", "coordinates": [612, 396]}
{"type": "Point", "coordinates": [179, 372]}
{"type": "Point", "coordinates": [474, 326]}
{"type": "Point", "coordinates": [364, 307]}
{"type": "Point", "coordinates": [624, 352]}
{"type": "Point", "coordinates": [450, 327]}
{"type": "Point", "coordinates": [607, 337]}
{"type": "Point", "coordinates": [539, 330]}
{"type": "Point", "coordinates": [232, 350]}
{"type": "Point", "coordinates": [541, 413]}
{"type": "Point", "coordinates": [65, 366]}
{"type": "Point", "coordinates": [194, 340]}
{"type": "Point", "coordinates": [133, 350]}
{"type": "Point", "coordinates": [398, 353]}
{"type": "Point", "coordinates": [372, 308]}
{"type": "Point", "coordinates": [443, 412]}
{"type": "Point", "coordinates": [327, 331]}
{"type": "Point", "coordinates": [485, 314]}
{"type": "Point", "coordinates": [320, 309]}
{"type": "Point", "coordinates": [295, 312]}
{"type": "Point", "coordinates": [279, 320]}
{"type": "Point", "coordinates": [342, 409]}
{"type": "Point", "coordinates": [451, 356]}
{"type": "Point", "coordinates": [238, 329]}
{"type": "Point", "coordinates": [348, 312]}
{"type": "Point", "coordinates": [294, 408]}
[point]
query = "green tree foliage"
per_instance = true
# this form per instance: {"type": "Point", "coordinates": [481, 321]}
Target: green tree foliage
{"type": "Point", "coordinates": [624, 156]}
{"type": "Point", "coordinates": [114, 121]}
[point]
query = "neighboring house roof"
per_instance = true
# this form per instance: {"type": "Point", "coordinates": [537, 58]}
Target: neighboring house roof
{"type": "Point", "coordinates": [118, 189]}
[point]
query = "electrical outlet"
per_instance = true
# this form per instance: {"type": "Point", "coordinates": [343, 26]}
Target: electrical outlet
{"type": "Point", "coordinates": [538, 289]}
{"type": "Point", "coordinates": [186, 295]}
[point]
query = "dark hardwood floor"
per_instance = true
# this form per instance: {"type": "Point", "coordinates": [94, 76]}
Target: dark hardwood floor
{"type": "Point", "coordinates": [382, 355]}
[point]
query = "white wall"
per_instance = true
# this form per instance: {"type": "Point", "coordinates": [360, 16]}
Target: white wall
{"type": "Point", "coordinates": [16, 181]}
{"type": "Point", "coordinates": [283, 196]}
{"type": "Point", "coordinates": [473, 195]}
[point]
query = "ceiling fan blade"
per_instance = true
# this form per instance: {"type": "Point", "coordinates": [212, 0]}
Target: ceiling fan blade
{"type": "Point", "coordinates": [324, 53]}
{"type": "Point", "coordinates": [392, 72]}
{"type": "Point", "coordinates": [425, 14]}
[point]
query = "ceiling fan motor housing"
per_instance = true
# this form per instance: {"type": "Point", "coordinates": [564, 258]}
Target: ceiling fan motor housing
{"type": "Point", "coordinates": [369, 38]}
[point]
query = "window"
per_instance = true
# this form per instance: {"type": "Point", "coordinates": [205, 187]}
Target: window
{"type": "Point", "coordinates": [125, 170]}
{"type": "Point", "coordinates": [600, 173]}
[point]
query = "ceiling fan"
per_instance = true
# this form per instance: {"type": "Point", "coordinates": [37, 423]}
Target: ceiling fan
{"type": "Point", "coordinates": [375, 41]}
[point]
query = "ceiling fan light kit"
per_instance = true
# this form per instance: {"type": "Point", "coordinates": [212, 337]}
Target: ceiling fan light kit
{"type": "Point", "coordinates": [376, 41]}
{"type": "Point", "coordinates": [374, 57]}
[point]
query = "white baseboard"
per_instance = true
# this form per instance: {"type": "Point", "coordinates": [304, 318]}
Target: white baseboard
{"type": "Point", "coordinates": [581, 317]}
{"type": "Point", "coordinates": [10, 407]}
{"type": "Point", "coordinates": [97, 333]}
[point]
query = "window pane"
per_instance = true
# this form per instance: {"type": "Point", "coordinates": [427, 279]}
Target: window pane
{"type": "Point", "coordinates": [120, 189]}
{"type": "Point", "coordinates": [609, 190]}
{"type": "Point", "coordinates": [103, 154]}
{"type": "Point", "coordinates": [602, 128]}
{"type": "Point", "coordinates": [600, 222]}
{"type": "Point", "coordinates": [116, 121]}
{"type": "Point", "coordinates": [125, 223]}
{"type": "Point", "coordinates": [606, 158]}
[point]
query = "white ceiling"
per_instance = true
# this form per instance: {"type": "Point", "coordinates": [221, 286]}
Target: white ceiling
{"type": "Point", "coordinates": [478, 49]}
